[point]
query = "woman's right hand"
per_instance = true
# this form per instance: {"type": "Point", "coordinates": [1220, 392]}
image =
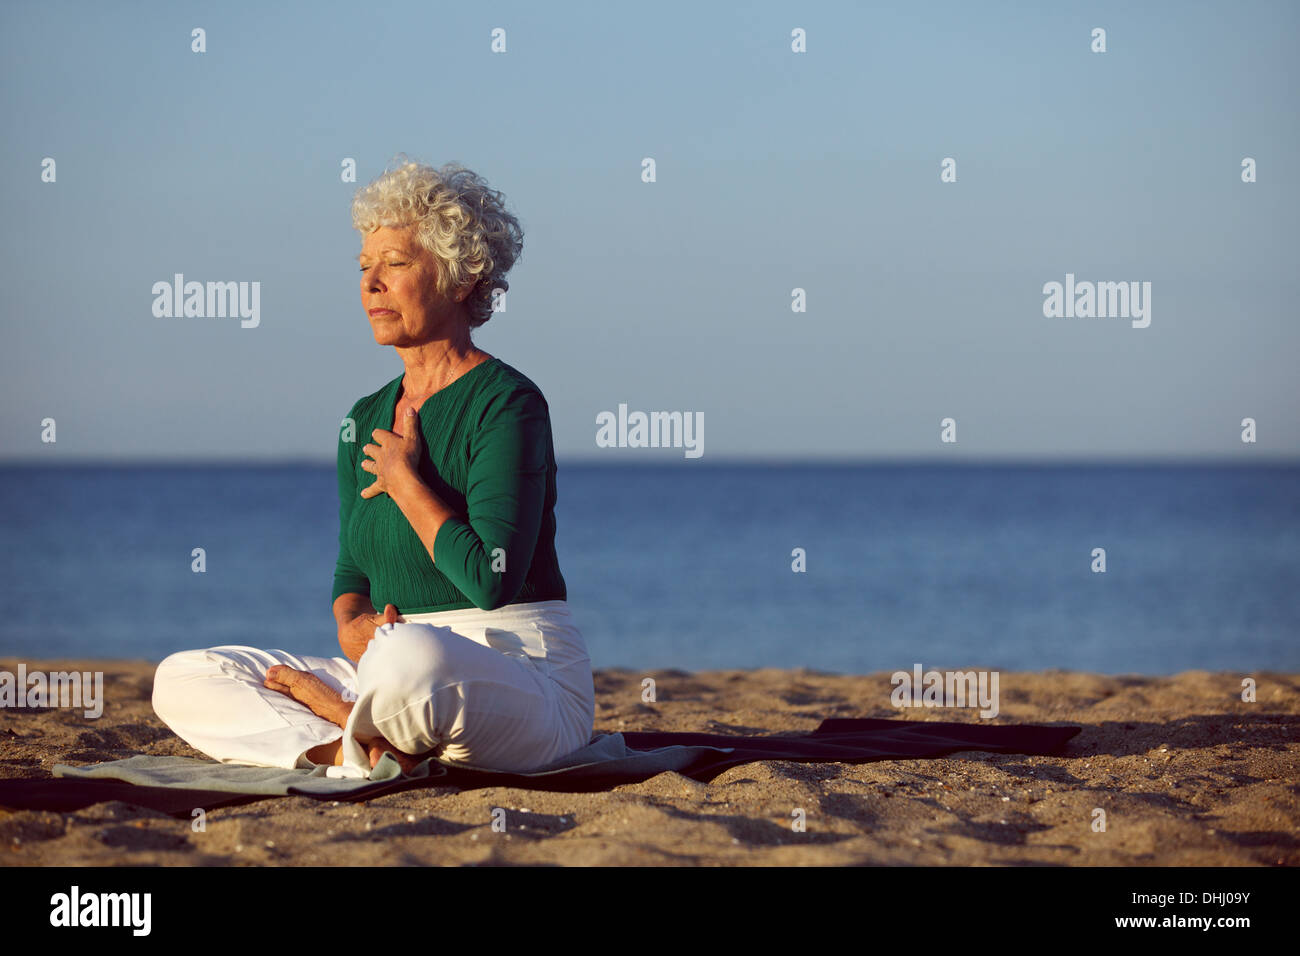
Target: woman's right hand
{"type": "Point", "coordinates": [356, 632]}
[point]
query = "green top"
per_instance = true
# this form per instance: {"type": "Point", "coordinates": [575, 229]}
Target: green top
{"type": "Point", "coordinates": [489, 457]}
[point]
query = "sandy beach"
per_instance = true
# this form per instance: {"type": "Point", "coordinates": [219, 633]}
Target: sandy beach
{"type": "Point", "coordinates": [1186, 773]}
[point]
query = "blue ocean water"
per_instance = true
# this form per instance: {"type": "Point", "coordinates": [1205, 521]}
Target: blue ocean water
{"type": "Point", "coordinates": [690, 566]}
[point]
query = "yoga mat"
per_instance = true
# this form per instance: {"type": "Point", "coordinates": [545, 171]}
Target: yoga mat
{"type": "Point", "coordinates": [176, 785]}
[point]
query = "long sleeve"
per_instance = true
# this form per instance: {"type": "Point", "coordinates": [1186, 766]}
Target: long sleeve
{"type": "Point", "coordinates": [348, 577]}
{"type": "Point", "coordinates": [505, 498]}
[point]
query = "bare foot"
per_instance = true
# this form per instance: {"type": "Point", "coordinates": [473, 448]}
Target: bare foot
{"type": "Point", "coordinates": [324, 701]}
{"type": "Point", "coordinates": [378, 746]}
{"type": "Point", "coordinates": [331, 753]}
{"type": "Point", "coordinates": [306, 688]}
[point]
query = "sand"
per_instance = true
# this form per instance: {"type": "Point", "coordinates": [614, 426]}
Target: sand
{"type": "Point", "coordinates": [1186, 773]}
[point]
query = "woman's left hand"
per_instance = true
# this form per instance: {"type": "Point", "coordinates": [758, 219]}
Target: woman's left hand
{"type": "Point", "coordinates": [396, 458]}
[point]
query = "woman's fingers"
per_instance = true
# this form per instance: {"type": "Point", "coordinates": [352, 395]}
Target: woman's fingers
{"type": "Point", "coordinates": [390, 613]}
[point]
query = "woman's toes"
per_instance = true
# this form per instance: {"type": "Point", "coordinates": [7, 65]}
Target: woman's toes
{"type": "Point", "coordinates": [377, 750]}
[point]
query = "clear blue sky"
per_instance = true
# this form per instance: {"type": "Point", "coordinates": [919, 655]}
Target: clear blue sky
{"type": "Point", "coordinates": [775, 170]}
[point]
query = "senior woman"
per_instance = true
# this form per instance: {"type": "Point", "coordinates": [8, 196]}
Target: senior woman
{"type": "Point", "coordinates": [446, 505]}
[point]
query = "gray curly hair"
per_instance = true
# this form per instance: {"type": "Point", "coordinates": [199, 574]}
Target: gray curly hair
{"type": "Point", "coordinates": [459, 218]}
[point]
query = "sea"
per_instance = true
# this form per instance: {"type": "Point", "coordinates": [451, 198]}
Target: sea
{"type": "Point", "coordinates": [840, 568]}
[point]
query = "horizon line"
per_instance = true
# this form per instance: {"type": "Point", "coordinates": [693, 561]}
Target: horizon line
{"type": "Point", "coordinates": [663, 460]}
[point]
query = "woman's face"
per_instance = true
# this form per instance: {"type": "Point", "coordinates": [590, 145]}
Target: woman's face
{"type": "Point", "coordinates": [399, 291]}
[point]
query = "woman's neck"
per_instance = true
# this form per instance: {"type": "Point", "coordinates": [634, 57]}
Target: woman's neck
{"type": "Point", "coordinates": [431, 368]}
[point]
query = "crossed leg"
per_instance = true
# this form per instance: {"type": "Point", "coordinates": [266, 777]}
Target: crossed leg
{"type": "Point", "coordinates": [418, 690]}
{"type": "Point", "coordinates": [324, 701]}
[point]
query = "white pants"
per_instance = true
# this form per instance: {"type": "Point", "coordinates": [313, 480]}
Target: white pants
{"type": "Point", "coordinates": [508, 689]}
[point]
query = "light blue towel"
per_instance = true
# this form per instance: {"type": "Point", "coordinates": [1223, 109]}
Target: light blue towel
{"type": "Point", "coordinates": [606, 755]}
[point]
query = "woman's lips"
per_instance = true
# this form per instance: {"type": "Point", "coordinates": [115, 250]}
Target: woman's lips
{"type": "Point", "coordinates": [382, 312]}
